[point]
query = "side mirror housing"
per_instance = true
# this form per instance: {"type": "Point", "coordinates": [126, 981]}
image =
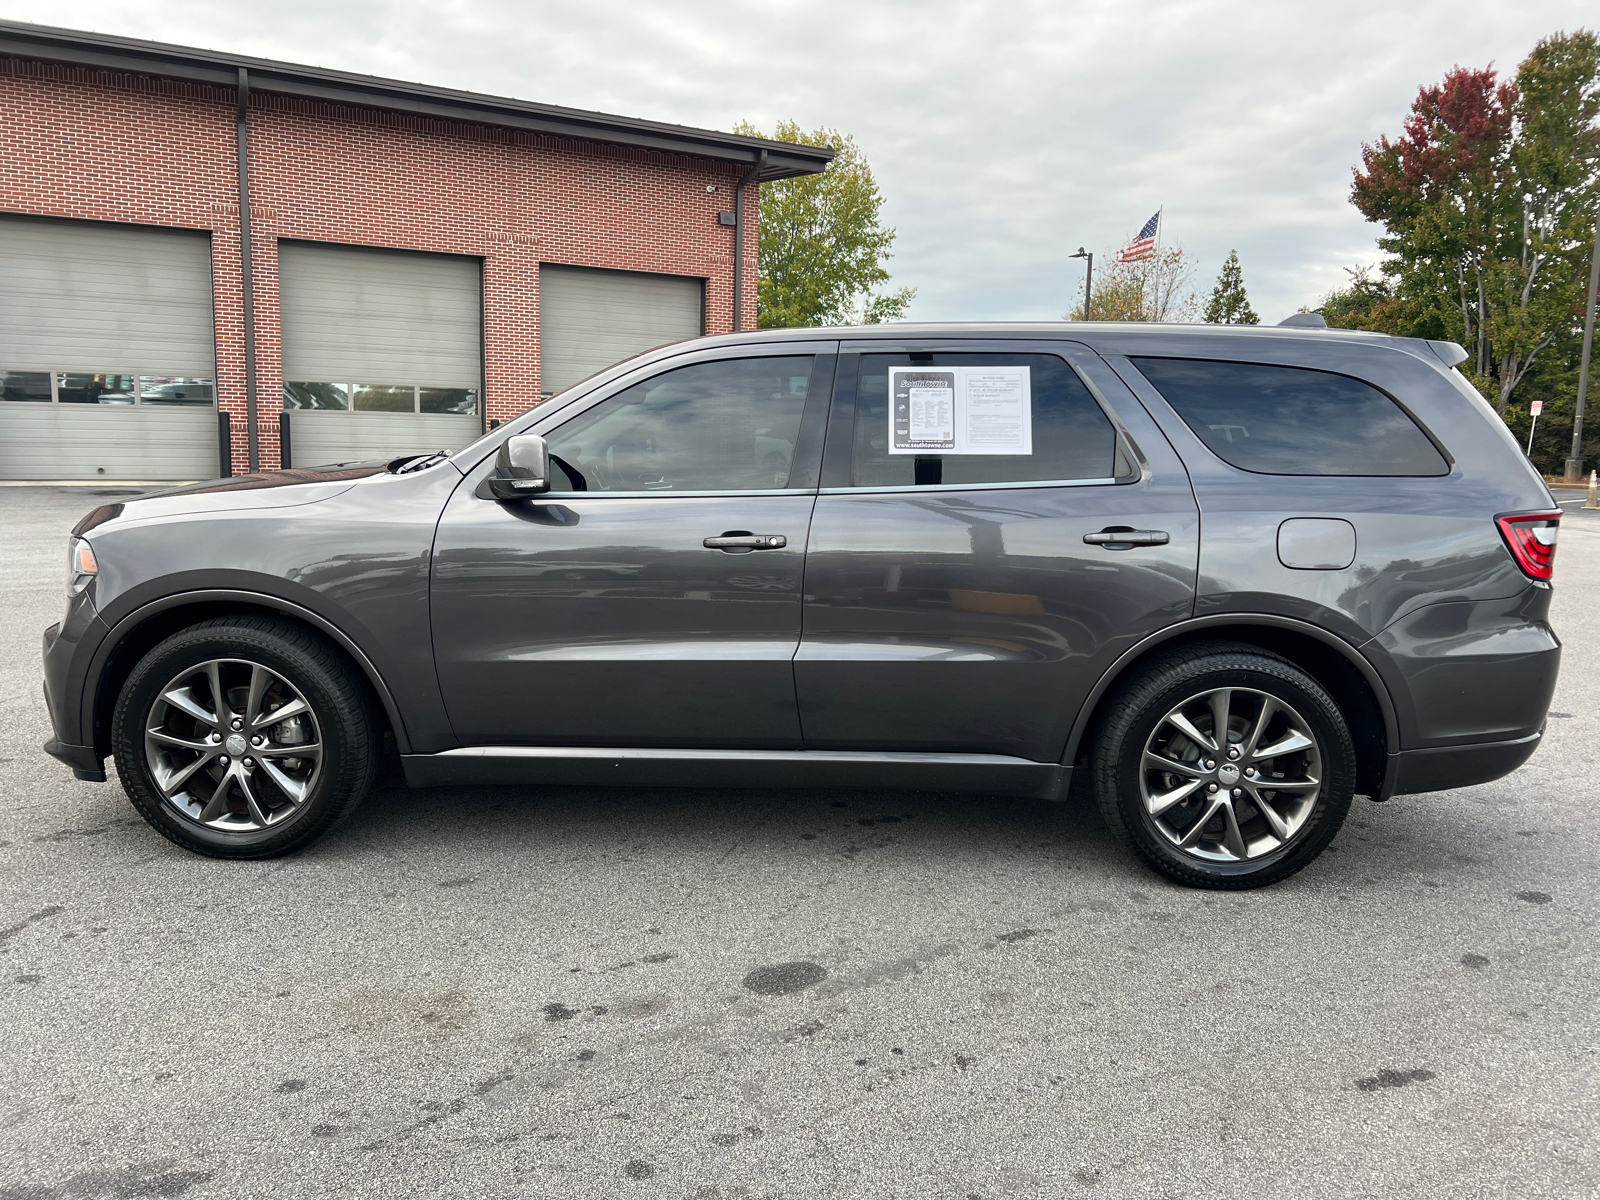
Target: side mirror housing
{"type": "Point", "coordinates": [521, 468]}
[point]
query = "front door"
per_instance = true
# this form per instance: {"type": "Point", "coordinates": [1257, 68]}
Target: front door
{"type": "Point", "coordinates": [653, 597]}
{"type": "Point", "coordinates": [953, 602]}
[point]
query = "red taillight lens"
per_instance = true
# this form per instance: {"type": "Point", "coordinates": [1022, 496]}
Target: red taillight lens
{"type": "Point", "coordinates": [1531, 537]}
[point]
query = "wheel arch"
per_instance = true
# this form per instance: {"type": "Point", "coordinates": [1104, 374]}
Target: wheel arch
{"type": "Point", "coordinates": [144, 628]}
{"type": "Point", "coordinates": [1352, 681]}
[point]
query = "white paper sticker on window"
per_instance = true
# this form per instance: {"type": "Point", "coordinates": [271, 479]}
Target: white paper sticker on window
{"type": "Point", "coordinates": [960, 410]}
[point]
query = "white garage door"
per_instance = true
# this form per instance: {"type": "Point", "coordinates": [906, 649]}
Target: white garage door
{"type": "Point", "coordinates": [382, 351]}
{"type": "Point", "coordinates": [590, 319]}
{"type": "Point", "coordinates": [107, 356]}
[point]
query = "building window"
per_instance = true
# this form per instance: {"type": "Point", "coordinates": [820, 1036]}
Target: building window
{"type": "Point", "coordinates": [106, 388]}
{"type": "Point", "coordinates": [380, 397]}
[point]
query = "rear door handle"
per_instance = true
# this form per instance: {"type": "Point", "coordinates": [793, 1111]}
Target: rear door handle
{"type": "Point", "coordinates": [1122, 539]}
{"type": "Point", "coordinates": [737, 541]}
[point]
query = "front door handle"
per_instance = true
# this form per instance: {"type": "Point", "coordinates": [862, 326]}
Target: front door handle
{"type": "Point", "coordinates": [1123, 538]}
{"type": "Point", "coordinates": [738, 541]}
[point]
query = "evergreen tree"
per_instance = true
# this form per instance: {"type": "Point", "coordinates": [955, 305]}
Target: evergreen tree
{"type": "Point", "coordinates": [1228, 304]}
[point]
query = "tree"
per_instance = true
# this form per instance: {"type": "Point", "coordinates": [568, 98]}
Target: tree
{"type": "Point", "coordinates": [1371, 302]}
{"type": "Point", "coordinates": [1485, 199]}
{"type": "Point", "coordinates": [822, 250]}
{"type": "Point", "coordinates": [1151, 290]}
{"type": "Point", "coordinates": [1228, 304]}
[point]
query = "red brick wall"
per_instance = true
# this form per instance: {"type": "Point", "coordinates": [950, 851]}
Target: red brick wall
{"type": "Point", "coordinates": [113, 147]}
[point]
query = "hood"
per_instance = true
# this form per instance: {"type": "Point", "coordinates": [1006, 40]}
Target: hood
{"type": "Point", "coordinates": [264, 489]}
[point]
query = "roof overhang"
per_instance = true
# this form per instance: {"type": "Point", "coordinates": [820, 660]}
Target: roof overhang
{"type": "Point", "coordinates": [45, 43]}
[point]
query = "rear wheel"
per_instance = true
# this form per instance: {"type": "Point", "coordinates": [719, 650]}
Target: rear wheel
{"type": "Point", "coordinates": [244, 737]}
{"type": "Point", "coordinates": [1224, 766]}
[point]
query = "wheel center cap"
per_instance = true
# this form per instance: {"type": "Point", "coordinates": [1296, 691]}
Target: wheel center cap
{"type": "Point", "coordinates": [1227, 773]}
{"type": "Point", "coordinates": [235, 745]}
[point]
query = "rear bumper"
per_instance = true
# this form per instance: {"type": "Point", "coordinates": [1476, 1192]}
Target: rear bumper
{"type": "Point", "coordinates": [1443, 767]}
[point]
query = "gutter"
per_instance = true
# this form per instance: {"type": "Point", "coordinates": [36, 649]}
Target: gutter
{"type": "Point", "coordinates": [43, 43]}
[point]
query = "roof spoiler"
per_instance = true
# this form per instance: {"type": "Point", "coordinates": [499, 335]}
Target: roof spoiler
{"type": "Point", "coordinates": [1449, 353]}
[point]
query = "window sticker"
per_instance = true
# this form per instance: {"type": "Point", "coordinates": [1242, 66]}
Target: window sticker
{"type": "Point", "coordinates": [960, 410]}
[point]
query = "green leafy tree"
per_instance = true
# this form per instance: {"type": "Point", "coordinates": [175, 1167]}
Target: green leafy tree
{"type": "Point", "coordinates": [1151, 290]}
{"type": "Point", "coordinates": [822, 250]}
{"type": "Point", "coordinates": [1229, 305]}
{"type": "Point", "coordinates": [1486, 199]}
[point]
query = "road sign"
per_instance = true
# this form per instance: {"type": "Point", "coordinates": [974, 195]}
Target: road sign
{"type": "Point", "coordinates": [1536, 407]}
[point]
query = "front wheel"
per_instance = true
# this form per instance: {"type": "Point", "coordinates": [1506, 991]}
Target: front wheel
{"type": "Point", "coordinates": [1224, 766]}
{"type": "Point", "coordinates": [244, 737]}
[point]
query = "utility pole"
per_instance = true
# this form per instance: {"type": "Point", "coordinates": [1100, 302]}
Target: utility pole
{"type": "Point", "coordinates": [1574, 471]}
{"type": "Point", "coordinates": [1088, 283]}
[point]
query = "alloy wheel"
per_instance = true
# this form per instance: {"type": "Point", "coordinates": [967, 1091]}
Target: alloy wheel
{"type": "Point", "coordinates": [233, 745]}
{"type": "Point", "coordinates": [1231, 774]}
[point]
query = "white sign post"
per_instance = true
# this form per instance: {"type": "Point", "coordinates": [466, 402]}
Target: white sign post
{"type": "Point", "coordinates": [1535, 408]}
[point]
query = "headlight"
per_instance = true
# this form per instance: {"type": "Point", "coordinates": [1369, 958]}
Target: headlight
{"type": "Point", "coordinates": [81, 565]}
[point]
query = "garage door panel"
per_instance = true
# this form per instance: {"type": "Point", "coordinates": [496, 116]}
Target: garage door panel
{"type": "Point", "coordinates": [590, 319]}
{"type": "Point", "coordinates": [353, 314]}
{"type": "Point", "coordinates": [318, 438]}
{"type": "Point", "coordinates": [60, 441]}
{"type": "Point", "coordinates": [92, 296]}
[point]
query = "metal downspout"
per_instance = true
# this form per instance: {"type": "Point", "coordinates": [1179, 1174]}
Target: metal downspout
{"type": "Point", "coordinates": [247, 275]}
{"type": "Point", "coordinates": [738, 241]}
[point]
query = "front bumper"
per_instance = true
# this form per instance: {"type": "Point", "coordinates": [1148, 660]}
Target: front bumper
{"type": "Point", "coordinates": [83, 760]}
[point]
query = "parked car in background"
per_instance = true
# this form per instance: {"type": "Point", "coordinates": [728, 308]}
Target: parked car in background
{"type": "Point", "coordinates": [1230, 577]}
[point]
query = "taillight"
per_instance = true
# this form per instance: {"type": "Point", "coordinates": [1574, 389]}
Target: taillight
{"type": "Point", "coordinates": [1531, 537]}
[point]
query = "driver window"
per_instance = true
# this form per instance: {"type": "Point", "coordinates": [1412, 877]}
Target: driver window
{"type": "Point", "coordinates": [728, 426]}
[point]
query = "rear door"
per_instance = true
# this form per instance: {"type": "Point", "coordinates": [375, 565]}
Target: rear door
{"type": "Point", "coordinates": [952, 600]}
{"type": "Point", "coordinates": [653, 597]}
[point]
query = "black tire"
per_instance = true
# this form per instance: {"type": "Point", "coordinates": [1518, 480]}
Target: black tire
{"type": "Point", "coordinates": [1138, 718]}
{"type": "Point", "coordinates": [331, 783]}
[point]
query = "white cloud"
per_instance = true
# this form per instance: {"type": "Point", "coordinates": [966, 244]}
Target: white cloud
{"type": "Point", "coordinates": [1004, 135]}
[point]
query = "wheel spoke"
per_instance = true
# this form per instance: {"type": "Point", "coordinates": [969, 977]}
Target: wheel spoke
{"type": "Point", "coordinates": [1292, 741]}
{"type": "Point", "coordinates": [305, 750]}
{"type": "Point", "coordinates": [183, 700]}
{"type": "Point", "coordinates": [260, 679]}
{"type": "Point", "coordinates": [1192, 837]}
{"type": "Point", "coordinates": [1157, 762]}
{"type": "Point", "coordinates": [292, 709]}
{"type": "Point", "coordinates": [294, 789]}
{"type": "Point", "coordinates": [1231, 837]}
{"type": "Point", "coordinates": [219, 698]}
{"type": "Point", "coordinates": [1288, 785]}
{"type": "Point", "coordinates": [1186, 727]}
{"type": "Point", "coordinates": [1159, 804]}
{"type": "Point", "coordinates": [1220, 701]}
{"type": "Point", "coordinates": [173, 783]}
{"type": "Point", "coordinates": [198, 745]}
{"type": "Point", "coordinates": [241, 779]}
{"type": "Point", "coordinates": [1269, 709]}
{"type": "Point", "coordinates": [219, 797]}
{"type": "Point", "coordinates": [1280, 827]}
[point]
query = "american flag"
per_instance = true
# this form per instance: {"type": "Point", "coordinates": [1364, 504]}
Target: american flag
{"type": "Point", "coordinates": [1143, 246]}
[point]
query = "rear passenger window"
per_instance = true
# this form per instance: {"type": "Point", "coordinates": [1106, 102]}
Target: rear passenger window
{"type": "Point", "coordinates": [1293, 420]}
{"type": "Point", "coordinates": [1069, 436]}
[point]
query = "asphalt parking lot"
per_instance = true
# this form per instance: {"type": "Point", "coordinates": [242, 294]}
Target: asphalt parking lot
{"type": "Point", "coordinates": [571, 992]}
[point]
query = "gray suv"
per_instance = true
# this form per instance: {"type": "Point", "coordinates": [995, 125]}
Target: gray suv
{"type": "Point", "coordinates": [1224, 579]}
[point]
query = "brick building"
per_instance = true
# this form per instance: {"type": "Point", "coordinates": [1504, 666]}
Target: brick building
{"type": "Point", "coordinates": [421, 262]}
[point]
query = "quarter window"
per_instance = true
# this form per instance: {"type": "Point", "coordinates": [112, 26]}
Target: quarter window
{"type": "Point", "coordinates": [1293, 420]}
{"type": "Point", "coordinates": [1071, 438]}
{"type": "Point", "coordinates": [728, 426]}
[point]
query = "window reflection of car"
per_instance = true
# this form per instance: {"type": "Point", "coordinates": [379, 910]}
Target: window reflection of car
{"type": "Point", "coordinates": [119, 397]}
{"type": "Point", "coordinates": [177, 393]}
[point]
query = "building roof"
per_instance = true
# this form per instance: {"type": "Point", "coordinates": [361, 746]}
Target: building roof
{"type": "Point", "coordinates": [44, 43]}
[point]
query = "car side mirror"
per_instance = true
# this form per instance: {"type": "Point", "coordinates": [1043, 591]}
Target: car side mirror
{"type": "Point", "coordinates": [521, 469]}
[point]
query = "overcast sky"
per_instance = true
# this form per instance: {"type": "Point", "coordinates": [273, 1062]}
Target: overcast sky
{"type": "Point", "coordinates": [1004, 135]}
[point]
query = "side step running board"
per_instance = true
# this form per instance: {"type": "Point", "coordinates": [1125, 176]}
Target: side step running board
{"type": "Point", "coordinates": [997, 773]}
